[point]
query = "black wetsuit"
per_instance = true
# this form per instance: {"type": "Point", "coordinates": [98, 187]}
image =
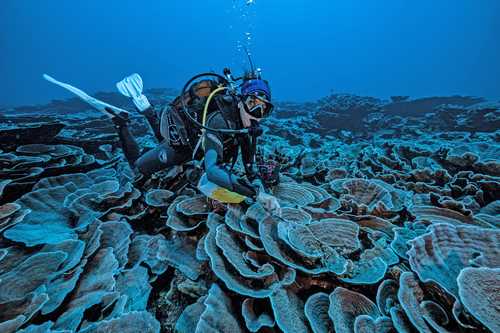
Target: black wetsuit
{"type": "Point", "coordinates": [220, 151]}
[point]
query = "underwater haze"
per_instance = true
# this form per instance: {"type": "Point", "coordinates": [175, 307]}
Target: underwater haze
{"type": "Point", "coordinates": [306, 48]}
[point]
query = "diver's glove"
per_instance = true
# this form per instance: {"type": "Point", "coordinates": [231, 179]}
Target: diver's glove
{"type": "Point", "coordinates": [132, 86]}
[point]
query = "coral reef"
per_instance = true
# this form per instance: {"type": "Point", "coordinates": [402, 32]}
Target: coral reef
{"type": "Point", "coordinates": [389, 223]}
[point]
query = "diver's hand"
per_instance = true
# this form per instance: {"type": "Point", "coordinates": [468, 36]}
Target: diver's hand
{"type": "Point", "coordinates": [269, 202]}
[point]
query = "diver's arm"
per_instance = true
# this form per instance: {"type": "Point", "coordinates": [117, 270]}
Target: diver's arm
{"type": "Point", "coordinates": [218, 175]}
{"type": "Point", "coordinates": [222, 177]}
{"type": "Point", "coordinates": [214, 154]}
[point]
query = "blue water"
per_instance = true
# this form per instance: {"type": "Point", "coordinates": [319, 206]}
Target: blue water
{"type": "Point", "coordinates": [306, 48]}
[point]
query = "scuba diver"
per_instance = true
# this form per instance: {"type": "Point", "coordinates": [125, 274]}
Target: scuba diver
{"type": "Point", "coordinates": [212, 120]}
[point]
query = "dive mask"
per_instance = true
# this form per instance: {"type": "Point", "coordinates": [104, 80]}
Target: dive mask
{"type": "Point", "coordinates": [259, 107]}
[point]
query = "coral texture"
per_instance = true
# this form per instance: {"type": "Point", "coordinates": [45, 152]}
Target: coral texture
{"type": "Point", "coordinates": [390, 217]}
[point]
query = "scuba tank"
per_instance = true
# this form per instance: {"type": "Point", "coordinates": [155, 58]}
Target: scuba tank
{"type": "Point", "coordinates": [175, 125]}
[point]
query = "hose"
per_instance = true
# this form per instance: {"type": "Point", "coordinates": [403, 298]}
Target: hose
{"type": "Point", "coordinates": [209, 99]}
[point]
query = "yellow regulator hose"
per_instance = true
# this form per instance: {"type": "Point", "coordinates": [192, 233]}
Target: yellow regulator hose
{"type": "Point", "coordinates": [205, 109]}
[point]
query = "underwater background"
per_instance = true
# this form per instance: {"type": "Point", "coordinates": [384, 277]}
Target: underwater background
{"type": "Point", "coordinates": [305, 48]}
{"type": "Point", "coordinates": [385, 136]}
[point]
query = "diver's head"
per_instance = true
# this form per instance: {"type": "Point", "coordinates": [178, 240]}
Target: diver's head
{"type": "Point", "coordinates": [256, 100]}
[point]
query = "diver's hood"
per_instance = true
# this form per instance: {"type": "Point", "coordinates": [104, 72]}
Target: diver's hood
{"type": "Point", "coordinates": [254, 86]}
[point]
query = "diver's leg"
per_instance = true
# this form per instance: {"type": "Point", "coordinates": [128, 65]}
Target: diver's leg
{"type": "Point", "coordinates": [130, 147]}
{"type": "Point", "coordinates": [161, 157]}
{"type": "Point", "coordinates": [154, 122]}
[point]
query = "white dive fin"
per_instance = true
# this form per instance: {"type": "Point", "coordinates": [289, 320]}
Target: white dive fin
{"type": "Point", "coordinates": [132, 86]}
{"type": "Point", "coordinates": [94, 102]}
